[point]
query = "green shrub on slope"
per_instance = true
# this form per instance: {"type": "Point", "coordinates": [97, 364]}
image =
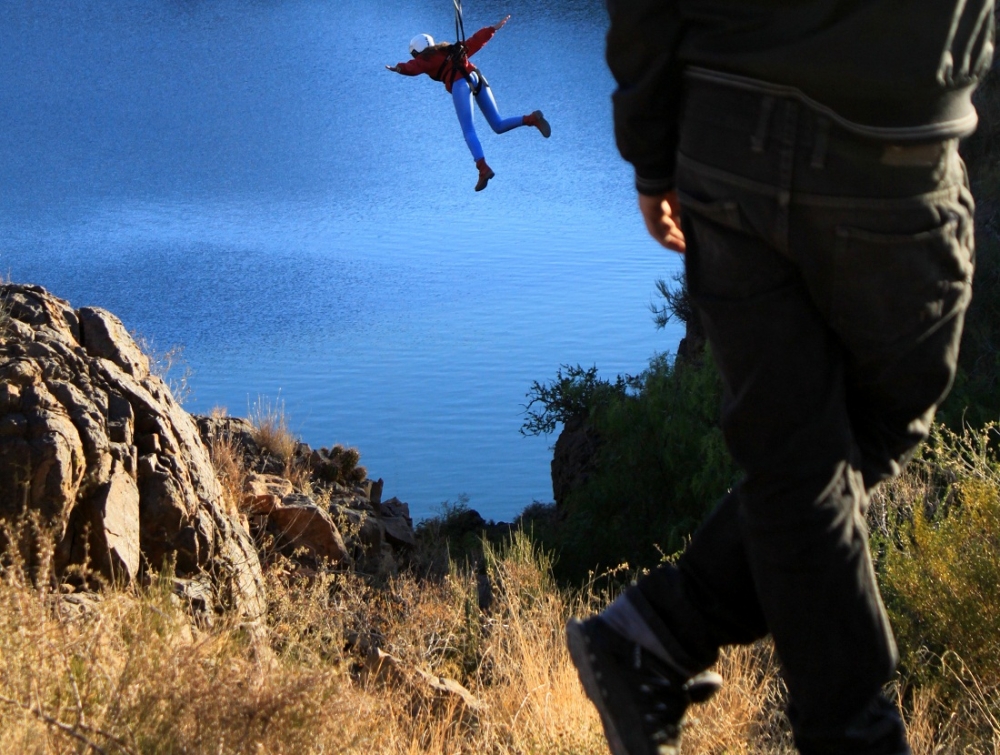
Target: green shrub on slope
{"type": "Point", "coordinates": [941, 579]}
{"type": "Point", "coordinates": [660, 464]}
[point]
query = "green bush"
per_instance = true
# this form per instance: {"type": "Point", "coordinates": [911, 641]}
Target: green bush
{"type": "Point", "coordinates": [941, 576]}
{"type": "Point", "coordinates": [660, 464]}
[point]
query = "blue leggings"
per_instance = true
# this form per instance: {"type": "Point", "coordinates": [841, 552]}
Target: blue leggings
{"type": "Point", "coordinates": [462, 96]}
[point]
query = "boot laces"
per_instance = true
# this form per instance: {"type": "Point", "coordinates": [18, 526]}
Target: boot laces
{"type": "Point", "coordinates": [662, 701]}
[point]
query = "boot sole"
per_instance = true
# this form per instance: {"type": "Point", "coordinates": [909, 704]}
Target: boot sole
{"type": "Point", "coordinates": [543, 125]}
{"type": "Point", "coordinates": [581, 652]}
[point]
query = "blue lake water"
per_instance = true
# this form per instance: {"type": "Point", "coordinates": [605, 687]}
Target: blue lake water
{"type": "Point", "coordinates": [246, 180]}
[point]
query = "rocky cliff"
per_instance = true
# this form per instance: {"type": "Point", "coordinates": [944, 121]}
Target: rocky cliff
{"type": "Point", "coordinates": [95, 450]}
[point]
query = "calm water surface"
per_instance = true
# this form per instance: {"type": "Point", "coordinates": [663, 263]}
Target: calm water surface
{"type": "Point", "coordinates": [246, 180]}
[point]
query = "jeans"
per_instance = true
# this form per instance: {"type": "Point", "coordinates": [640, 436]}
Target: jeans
{"type": "Point", "coordinates": [831, 274]}
{"type": "Point", "coordinates": [462, 96]}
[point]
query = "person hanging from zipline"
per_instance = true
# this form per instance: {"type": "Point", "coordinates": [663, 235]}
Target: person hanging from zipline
{"type": "Point", "coordinates": [449, 63]}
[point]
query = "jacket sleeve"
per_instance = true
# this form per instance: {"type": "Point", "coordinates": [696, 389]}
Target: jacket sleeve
{"type": "Point", "coordinates": [413, 67]}
{"type": "Point", "coordinates": [475, 43]}
{"type": "Point", "coordinates": [642, 54]}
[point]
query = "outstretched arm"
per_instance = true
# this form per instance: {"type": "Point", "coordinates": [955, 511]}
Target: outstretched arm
{"type": "Point", "coordinates": [413, 67]}
{"type": "Point", "coordinates": [475, 43]}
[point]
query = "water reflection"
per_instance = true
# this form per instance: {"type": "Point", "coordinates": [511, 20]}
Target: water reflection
{"type": "Point", "coordinates": [245, 178]}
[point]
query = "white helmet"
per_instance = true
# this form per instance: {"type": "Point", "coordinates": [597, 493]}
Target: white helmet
{"type": "Point", "coordinates": [420, 43]}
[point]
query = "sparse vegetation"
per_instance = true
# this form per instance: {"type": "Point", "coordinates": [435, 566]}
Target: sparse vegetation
{"type": "Point", "coordinates": [77, 671]}
{"type": "Point", "coordinates": [4, 312]}
{"type": "Point", "coordinates": [273, 436]}
{"type": "Point", "coordinates": [227, 458]}
{"type": "Point", "coordinates": [169, 365]}
{"type": "Point", "coordinates": [130, 671]}
{"type": "Point", "coordinates": [270, 426]}
{"type": "Point", "coordinates": [660, 462]}
{"type": "Point", "coordinates": [342, 465]}
{"type": "Point", "coordinates": [941, 580]}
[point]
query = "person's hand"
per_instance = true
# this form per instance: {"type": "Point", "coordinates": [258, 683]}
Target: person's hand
{"type": "Point", "coordinates": [662, 213]}
{"type": "Point", "coordinates": [501, 23]}
{"type": "Point", "coordinates": [393, 68]}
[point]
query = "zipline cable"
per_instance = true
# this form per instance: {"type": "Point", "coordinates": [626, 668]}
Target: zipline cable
{"type": "Point", "coordinates": [459, 23]}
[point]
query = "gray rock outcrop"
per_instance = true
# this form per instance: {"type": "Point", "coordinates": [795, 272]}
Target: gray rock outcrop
{"type": "Point", "coordinates": [96, 446]}
{"type": "Point", "coordinates": [573, 459]}
{"type": "Point", "coordinates": [331, 515]}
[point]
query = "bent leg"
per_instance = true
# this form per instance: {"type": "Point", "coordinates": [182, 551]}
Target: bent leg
{"type": "Point", "coordinates": [461, 95]}
{"type": "Point", "coordinates": [800, 509]}
{"type": "Point", "coordinates": [708, 600]}
{"type": "Point", "coordinates": [488, 105]}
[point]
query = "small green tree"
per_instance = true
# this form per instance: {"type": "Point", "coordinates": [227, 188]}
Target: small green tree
{"type": "Point", "coordinates": [660, 463]}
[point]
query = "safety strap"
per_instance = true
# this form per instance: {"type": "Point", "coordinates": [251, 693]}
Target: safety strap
{"type": "Point", "coordinates": [459, 23]}
{"type": "Point", "coordinates": [458, 52]}
{"type": "Point", "coordinates": [482, 82]}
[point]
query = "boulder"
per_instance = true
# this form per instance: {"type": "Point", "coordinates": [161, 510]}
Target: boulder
{"type": "Point", "coordinates": [104, 336]}
{"type": "Point", "coordinates": [263, 493]}
{"type": "Point", "coordinates": [116, 534]}
{"type": "Point", "coordinates": [397, 524]}
{"type": "Point", "coordinates": [395, 508]}
{"type": "Point", "coordinates": [235, 430]}
{"type": "Point", "coordinates": [398, 532]}
{"type": "Point", "coordinates": [573, 458]}
{"type": "Point", "coordinates": [95, 446]}
{"type": "Point", "coordinates": [300, 523]}
{"type": "Point", "coordinates": [375, 493]}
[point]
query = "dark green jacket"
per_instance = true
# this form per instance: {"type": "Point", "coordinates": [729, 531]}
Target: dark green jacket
{"type": "Point", "coordinates": [901, 70]}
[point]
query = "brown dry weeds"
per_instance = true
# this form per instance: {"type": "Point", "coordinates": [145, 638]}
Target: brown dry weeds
{"type": "Point", "coordinates": [133, 673]}
{"type": "Point", "coordinates": [130, 671]}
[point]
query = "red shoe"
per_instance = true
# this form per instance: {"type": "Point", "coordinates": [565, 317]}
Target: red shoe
{"type": "Point", "coordinates": [485, 174]}
{"type": "Point", "coordinates": [537, 120]}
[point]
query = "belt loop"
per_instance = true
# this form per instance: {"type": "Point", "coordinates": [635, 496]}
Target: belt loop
{"type": "Point", "coordinates": [758, 140]}
{"type": "Point", "coordinates": [819, 145]}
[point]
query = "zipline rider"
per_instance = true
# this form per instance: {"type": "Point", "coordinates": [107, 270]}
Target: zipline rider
{"type": "Point", "coordinates": [449, 63]}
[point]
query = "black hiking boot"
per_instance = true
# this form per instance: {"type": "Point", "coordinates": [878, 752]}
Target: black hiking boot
{"type": "Point", "coordinates": [641, 699]}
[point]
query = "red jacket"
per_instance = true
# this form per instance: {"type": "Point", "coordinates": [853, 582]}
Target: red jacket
{"type": "Point", "coordinates": [432, 61]}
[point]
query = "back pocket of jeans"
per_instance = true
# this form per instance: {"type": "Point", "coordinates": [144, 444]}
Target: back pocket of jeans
{"type": "Point", "coordinates": [724, 212]}
{"type": "Point", "coordinates": [890, 287]}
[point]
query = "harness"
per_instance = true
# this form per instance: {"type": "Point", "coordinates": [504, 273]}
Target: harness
{"type": "Point", "coordinates": [458, 56]}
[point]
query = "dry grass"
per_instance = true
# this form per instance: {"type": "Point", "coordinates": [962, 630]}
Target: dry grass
{"type": "Point", "coordinates": [134, 674]}
{"type": "Point", "coordinates": [270, 426]}
{"type": "Point", "coordinates": [5, 307]}
{"type": "Point", "coordinates": [272, 434]}
{"type": "Point", "coordinates": [169, 365]}
{"type": "Point", "coordinates": [227, 457]}
{"type": "Point", "coordinates": [745, 717]}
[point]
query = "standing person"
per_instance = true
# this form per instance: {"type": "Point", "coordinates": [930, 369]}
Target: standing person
{"type": "Point", "coordinates": [803, 156]}
{"type": "Point", "coordinates": [449, 63]}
